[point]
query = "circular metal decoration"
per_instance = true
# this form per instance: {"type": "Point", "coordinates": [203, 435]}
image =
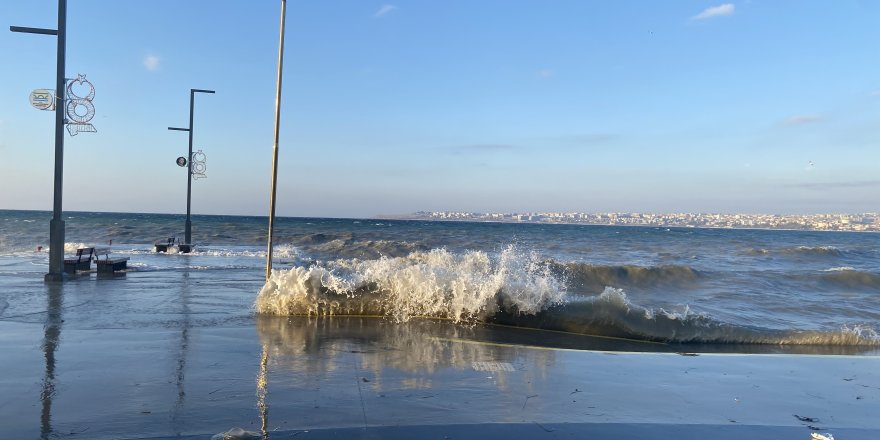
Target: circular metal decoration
{"type": "Point", "coordinates": [80, 108]}
{"type": "Point", "coordinates": [181, 161]}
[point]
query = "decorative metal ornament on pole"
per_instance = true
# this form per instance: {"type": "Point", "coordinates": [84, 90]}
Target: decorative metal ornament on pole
{"type": "Point", "coordinates": [80, 109]}
{"type": "Point", "coordinates": [198, 165]}
{"type": "Point", "coordinates": [275, 144]}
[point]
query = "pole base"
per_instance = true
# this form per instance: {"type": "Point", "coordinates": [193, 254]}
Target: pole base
{"type": "Point", "coordinates": [53, 277]}
{"type": "Point", "coordinates": [56, 250]}
{"type": "Point", "coordinates": [187, 231]}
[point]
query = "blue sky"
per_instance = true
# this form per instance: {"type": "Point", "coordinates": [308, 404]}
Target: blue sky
{"type": "Point", "coordinates": [684, 106]}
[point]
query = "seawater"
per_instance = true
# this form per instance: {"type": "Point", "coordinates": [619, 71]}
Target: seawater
{"type": "Point", "coordinates": [680, 285]}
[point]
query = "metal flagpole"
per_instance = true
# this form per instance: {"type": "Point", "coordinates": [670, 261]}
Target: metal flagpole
{"type": "Point", "coordinates": [275, 145]}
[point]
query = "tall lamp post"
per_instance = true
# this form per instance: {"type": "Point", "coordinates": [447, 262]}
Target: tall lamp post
{"type": "Point", "coordinates": [56, 225]}
{"type": "Point", "coordinates": [189, 172]}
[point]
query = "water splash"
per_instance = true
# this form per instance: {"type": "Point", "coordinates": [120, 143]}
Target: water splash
{"type": "Point", "coordinates": [461, 287]}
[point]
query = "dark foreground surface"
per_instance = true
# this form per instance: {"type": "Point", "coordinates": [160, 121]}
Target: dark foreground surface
{"type": "Point", "coordinates": [153, 355]}
{"type": "Point", "coordinates": [624, 431]}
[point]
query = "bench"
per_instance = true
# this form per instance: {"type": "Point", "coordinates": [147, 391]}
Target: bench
{"type": "Point", "coordinates": [163, 246]}
{"type": "Point", "coordinates": [109, 265]}
{"type": "Point", "coordinates": [183, 248]}
{"type": "Point", "coordinates": [82, 261]}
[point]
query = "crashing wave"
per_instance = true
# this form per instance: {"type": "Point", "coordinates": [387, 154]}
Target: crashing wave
{"type": "Point", "coordinates": [519, 289]}
{"type": "Point", "coordinates": [467, 287]}
{"type": "Point", "coordinates": [612, 314]}
{"type": "Point", "coordinates": [594, 278]}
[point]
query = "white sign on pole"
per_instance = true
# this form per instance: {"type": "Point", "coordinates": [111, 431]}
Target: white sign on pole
{"type": "Point", "coordinates": [43, 99]}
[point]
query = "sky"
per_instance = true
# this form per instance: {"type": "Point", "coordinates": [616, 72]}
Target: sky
{"type": "Point", "coordinates": [490, 106]}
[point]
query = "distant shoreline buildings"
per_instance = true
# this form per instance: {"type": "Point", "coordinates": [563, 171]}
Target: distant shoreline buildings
{"type": "Point", "coordinates": [866, 222]}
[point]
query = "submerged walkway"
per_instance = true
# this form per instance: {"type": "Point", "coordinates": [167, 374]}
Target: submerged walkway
{"type": "Point", "coordinates": [142, 357]}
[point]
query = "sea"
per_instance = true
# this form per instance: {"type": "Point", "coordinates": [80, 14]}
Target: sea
{"type": "Point", "coordinates": [772, 290]}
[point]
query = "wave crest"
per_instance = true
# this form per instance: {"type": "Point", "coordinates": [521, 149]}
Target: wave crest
{"type": "Point", "coordinates": [851, 279]}
{"type": "Point", "coordinates": [467, 287]}
{"type": "Point", "coordinates": [593, 278]}
{"type": "Point", "coordinates": [803, 251]}
{"type": "Point", "coordinates": [518, 289]}
{"type": "Point", "coordinates": [612, 314]}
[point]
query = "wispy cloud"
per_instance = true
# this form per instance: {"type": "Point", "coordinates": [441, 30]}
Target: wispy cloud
{"type": "Point", "coordinates": [573, 141]}
{"type": "Point", "coordinates": [588, 139]}
{"type": "Point", "coordinates": [802, 119]}
{"type": "Point", "coordinates": [546, 73]}
{"type": "Point", "coordinates": [875, 93]}
{"type": "Point", "coordinates": [836, 185]}
{"type": "Point", "coordinates": [715, 11]}
{"type": "Point", "coordinates": [384, 10]}
{"type": "Point", "coordinates": [482, 148]}
{"type": "Point", "coordinates": [151, 62]}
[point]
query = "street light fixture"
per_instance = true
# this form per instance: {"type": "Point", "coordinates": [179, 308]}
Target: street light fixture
{"type": "Point", "coordinates": [56, 225]}
{"type": "Point", "coordinates": [186, 247]}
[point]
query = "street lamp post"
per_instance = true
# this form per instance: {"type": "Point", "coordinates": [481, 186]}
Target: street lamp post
{"type": "Point", "coordinates": [56, 225]}
{"type": "Point", "coordinates": [188, 225]}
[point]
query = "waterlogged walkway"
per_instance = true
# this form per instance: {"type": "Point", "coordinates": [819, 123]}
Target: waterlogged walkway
{"type": "Point", "coordinates": [153, 355]}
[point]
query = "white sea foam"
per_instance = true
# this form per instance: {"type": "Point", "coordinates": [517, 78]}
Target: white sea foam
{"type": "Point", "coordinates": [817, 248]}
{"type": "Point", "coordinates": [437, 283]}
{"type": "Point", "coordinates": [618, 299]}
{"type": "Point", "coordinates": [282, 251]}
{"type": "Point", "coordinates": [73, 246]}
{"type": "Point", "coordinates": [839, 269]}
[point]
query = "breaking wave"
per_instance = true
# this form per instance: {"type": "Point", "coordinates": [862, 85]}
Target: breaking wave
{"type": "Point", "coordinates": [593, 278]}
{"type": "Point", "coordinates": [519, 289]}
{"type": "Point", "coordinates": [850, 278]}
{"type": "Point", "coordinates": [348, 245]}
{"type": "Point", "coordinates": [815, 250]}
{"type": "Point", "coordinates": [802, 251]}
{"type": "Point", "coordinates": [612, 314]}
{"type": "Point", "coordinates": [469, 287]}
{"type": "Point", "coordinates": [368, 248]}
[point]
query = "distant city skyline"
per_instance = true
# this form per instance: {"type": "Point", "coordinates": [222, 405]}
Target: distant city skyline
{"type": "Point", "coordinates": [862, 222]}
{"type": "Point", "coordinates": [394, 107]}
